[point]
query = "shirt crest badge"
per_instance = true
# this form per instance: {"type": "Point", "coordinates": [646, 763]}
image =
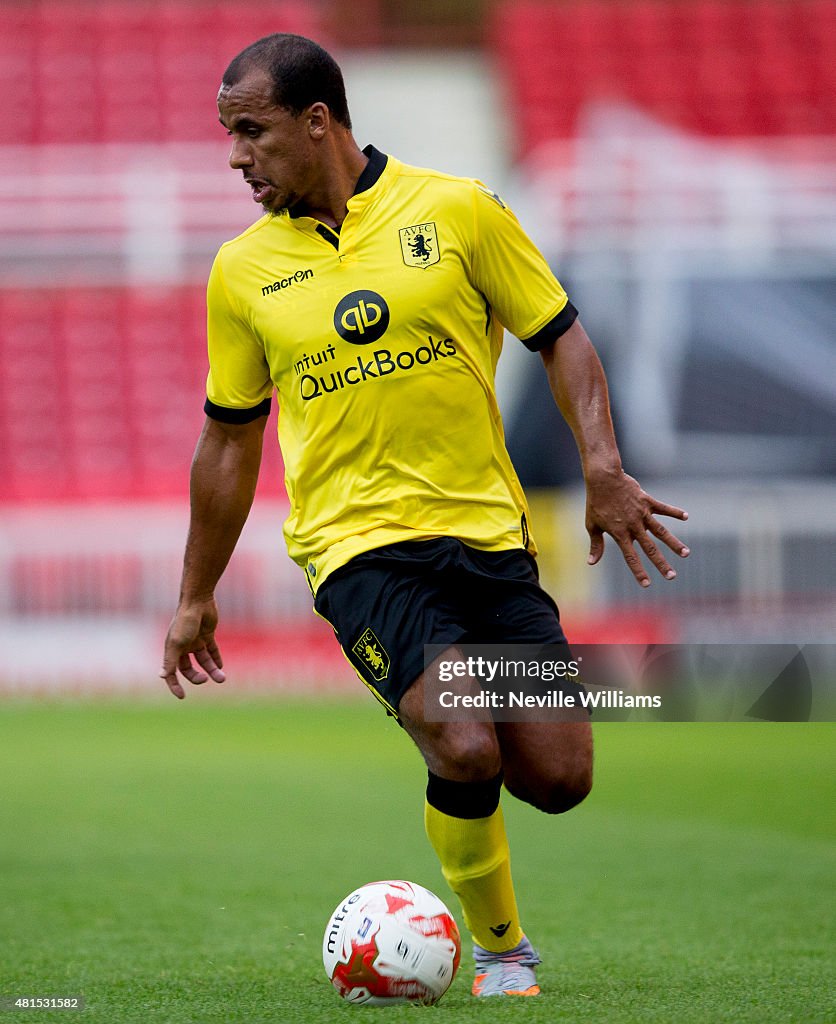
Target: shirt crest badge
{"type": "Point", "coordinates": [419, 245]}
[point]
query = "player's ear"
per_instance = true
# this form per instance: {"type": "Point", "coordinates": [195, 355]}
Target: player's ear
{"type": "Point", "coordinates": [319, 120]}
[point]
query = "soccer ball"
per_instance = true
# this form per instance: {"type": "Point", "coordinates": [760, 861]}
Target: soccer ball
{"type": "Point", "coordinates": [391, 942]}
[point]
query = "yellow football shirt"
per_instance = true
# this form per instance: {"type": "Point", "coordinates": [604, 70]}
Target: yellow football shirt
{"type": "Point", "coordinates": [381, 341]}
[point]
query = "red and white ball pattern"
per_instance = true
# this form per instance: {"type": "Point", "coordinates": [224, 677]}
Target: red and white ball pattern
{"type": "Point", "coordinates": [391, 942]}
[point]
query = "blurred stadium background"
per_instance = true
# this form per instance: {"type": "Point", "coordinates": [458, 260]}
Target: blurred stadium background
{"type": "Point", "coordinates": [675, 160]}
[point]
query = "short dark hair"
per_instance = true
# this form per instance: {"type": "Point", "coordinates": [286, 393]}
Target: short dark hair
{"type": "Point", "coordinates": [302, 73]}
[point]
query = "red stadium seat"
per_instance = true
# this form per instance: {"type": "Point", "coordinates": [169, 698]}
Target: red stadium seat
{"type": "Point", "coordinates": [719, 68]}
{"type": "Point", "coordinates": [129, 71]}
{"type": "Point", "coordinates": [102, 391]}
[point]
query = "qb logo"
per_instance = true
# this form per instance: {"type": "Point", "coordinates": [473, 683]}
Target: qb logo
{"type": "Point", "coordinates": [361, 317]}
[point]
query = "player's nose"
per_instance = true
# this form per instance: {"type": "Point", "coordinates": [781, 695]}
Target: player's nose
{"type": "Point", "coordinates": [240, 154]}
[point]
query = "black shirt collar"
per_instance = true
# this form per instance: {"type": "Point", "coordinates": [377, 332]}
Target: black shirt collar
{"type": "Point", "coordinates": [369, 176]}
{"type": "Point", "coordinates": [373, 169]}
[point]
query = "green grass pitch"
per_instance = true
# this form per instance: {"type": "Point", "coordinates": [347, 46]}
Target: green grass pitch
{"type": "Point", "coordinates": [178, 862]}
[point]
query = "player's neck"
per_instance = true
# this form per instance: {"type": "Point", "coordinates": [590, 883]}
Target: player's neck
{"type": "Point", "coordinates": [327, 201]}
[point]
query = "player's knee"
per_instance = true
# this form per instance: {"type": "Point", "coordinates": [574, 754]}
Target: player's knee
{"type": "Point", "coordinates": [473, 757]}
{"type": "Point", "coordinates": [554, 794]}
{"type": "Point", "coordinates": [468, 755]}
{"type": "Point", "coordinates": [567, 792]}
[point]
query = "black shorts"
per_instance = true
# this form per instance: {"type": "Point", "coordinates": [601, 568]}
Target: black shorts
{"type": "Point", "coordinates": [387, 603]}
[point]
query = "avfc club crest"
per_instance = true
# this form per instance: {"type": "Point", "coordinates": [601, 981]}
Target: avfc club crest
{"type": "Point", "coordinates": [372, 655]}
{"type": "Point", "coordinates": [419, 245]}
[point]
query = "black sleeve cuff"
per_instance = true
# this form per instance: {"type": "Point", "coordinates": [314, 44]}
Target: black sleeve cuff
{"type": "Point", "coordinates": [554, 328]}
{"type": "Point", "coordinates": [218, 412]}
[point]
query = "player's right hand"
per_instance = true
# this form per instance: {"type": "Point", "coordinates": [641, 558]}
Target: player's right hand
{"type": "Point", "coordinates": [192, 633]}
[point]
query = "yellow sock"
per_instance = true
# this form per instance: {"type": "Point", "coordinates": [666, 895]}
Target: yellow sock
{"type": "Point", "coordinates": [476, 862]}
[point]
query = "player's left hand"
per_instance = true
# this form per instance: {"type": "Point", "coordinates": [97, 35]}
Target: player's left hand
{"type": "Point", "coordinates": [617, 505]}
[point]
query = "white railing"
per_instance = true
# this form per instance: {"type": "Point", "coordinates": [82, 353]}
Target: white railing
{"type": "Point", "coordinates": [121, 213]}
{"type": "Point", "coordinates": [762, 564]}
{"type": "Point", "coordinates": [628, 185]}
{"type": "Point", "coordinates": [681, 251]}
{"type": "Point", "coordinates": [625, 188]}
{"type": "Point", "coordinates": [755, 546]}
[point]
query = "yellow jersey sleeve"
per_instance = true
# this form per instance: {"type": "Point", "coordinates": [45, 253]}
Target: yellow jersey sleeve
{"type": "Point", "coordinates": [512, 274]}
{"type": "Point", "coordinates": [239, 385]}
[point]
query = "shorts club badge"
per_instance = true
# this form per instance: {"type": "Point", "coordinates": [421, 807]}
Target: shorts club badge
{"type": "Point", "coordinates": [373, 656]}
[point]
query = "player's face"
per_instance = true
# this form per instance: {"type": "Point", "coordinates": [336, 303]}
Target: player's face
{"type": "Point", "coordinates": [271, 146]}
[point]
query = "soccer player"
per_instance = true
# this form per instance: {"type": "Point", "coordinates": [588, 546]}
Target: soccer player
{"type": "Point", "coordinates": [372, 296]}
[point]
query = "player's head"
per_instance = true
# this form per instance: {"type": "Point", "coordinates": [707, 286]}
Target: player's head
{"type": "Point", "coordinates": [302, 73]}
{"type": "Point", "coordinates": [282, 101]}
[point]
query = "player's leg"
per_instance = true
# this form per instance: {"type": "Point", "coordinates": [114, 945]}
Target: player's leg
{"type": "Point", "coordinates": [461, 751]}
{"type": "Point", "coordinates": [547, 764]}
{"type": "Point", "coordinates": [465, 826]}
{"type": "Point", "coordinates": [384, 607]}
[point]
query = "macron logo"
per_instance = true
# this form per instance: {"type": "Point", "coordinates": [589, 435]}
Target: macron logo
{"type": "Point", "coordinates": [286, 282]}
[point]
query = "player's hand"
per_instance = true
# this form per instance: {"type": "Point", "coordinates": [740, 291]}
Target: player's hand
{"type": "Point", "coordinates": [617, 505]}
{"type": "Point", "coordinates": [192, 633]}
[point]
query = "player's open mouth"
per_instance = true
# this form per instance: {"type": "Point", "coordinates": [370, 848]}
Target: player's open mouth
{"type": "Point", "coordinates": [261, 189]}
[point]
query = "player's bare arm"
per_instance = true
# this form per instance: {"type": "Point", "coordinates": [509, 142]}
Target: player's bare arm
{"type": "Point", "coordinates": [223, 480]}
{"type": "Point", "coordinates": [615, 502]}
